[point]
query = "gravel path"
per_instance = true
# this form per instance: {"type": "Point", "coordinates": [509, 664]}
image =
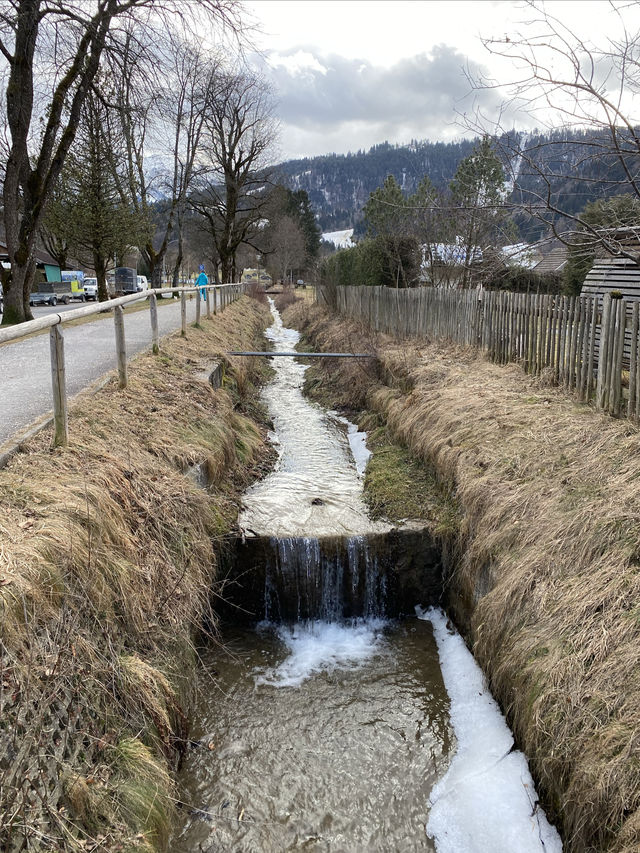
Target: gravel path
{"type": "Point", "coordinates": [25, 374]}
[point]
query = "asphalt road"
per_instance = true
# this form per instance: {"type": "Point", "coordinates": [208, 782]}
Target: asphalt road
{"type": "Point", "coordinates": [25, 373]}
{"type": "Point", "coordinates": [43, 310]}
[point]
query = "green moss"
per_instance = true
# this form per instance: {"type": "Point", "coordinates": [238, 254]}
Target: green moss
{"type": "Point", "coordinates": [398, 486]}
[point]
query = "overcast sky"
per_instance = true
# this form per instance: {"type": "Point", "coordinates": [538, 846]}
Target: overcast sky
{"type": "Point", "coordinates": [351, 73]}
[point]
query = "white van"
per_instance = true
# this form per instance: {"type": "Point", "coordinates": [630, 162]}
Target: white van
{"type": "Point", "coordinates": [143, 284]}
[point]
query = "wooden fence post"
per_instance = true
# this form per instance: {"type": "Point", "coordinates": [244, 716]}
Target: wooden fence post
{"type": "Point", "coordinates": [610, 353]}
{"type": "Point", "coordinates": [592, 347]}
{"type": "Point", "coordinates": [633, 361]}
{"type": "Point", "coordinates": [153, 314]}
{"type": "Point", "coordinates": [602, 351]}
{"type": "Point", "coordinates": [58, 386]}
{"type": "Point", "coordinates": [183, 313]}
{"type": "Point", "coordinates": [636, 411]}
{"type": "Point", "coordinates": [121, 350]}
{"type": "Point", "coordinates": [208, 304]}
{"type": "Point", "coordinates": [615, 395]}
{"type": "Point", "coordinates": [198, 301]}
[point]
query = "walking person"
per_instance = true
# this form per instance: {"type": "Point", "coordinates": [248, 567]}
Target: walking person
{"type": "Point", "coordinates": [202, 281]}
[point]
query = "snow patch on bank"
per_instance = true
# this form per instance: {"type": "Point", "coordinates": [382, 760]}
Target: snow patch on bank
{"type": "Point", "coordinates": [486, 800]}
{"type": "Point", "coordinates": [357, 443]}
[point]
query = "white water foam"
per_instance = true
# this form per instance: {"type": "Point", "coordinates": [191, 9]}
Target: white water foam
{"type": "Point", "coordinates": [486, 801]}
{"type": "Point", "coordinates": [323, 647]}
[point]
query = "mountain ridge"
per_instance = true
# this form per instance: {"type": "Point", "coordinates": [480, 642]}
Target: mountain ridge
{"type": "Point", "coordinates": [338, 185]}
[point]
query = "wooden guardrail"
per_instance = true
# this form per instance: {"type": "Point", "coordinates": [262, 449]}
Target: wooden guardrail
{"type": "Point", "coordinates": [218, 296]}
{"type": "Point", "coordinates": [590, 344]}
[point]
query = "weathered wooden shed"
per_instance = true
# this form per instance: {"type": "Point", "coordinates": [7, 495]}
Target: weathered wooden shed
{"type": "Point", "coordinates": [613, 275]}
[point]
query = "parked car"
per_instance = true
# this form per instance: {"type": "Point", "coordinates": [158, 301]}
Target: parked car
{"type": "Point", "coordinates": [91, 289]}
{"type": "Point", "coordinates": [143, 284]}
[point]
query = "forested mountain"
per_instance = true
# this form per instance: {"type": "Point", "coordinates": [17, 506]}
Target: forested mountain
{"type": "Point", "coordinates": [575, 162]}
{"type": "Point", "coordinates": [338, 185]}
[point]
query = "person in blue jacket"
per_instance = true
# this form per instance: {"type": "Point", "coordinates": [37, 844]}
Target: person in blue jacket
{"type": "Point", "coordinates": [202, 281]}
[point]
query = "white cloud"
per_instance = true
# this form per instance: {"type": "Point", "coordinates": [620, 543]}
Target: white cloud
{"type": "Point", "coordinates": [336, 103]}
{"type": "Point", "coordinates": [302, 61]}
{"type": "Point", "coordinates": [350, 74]}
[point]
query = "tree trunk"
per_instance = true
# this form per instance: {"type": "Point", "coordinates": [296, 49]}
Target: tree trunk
{"type": "Point", "coordinates": [178, 264]}
{"type": "Point", "coordinates": [180, 254]}
{"type": "Point", "coordinates": [226, 264]}
{"type": "Point", "coordinates": [17, 293]}
{"type": "Point", "coordinates": [100, 266]}
{"type": "Point", "coordinates": [156, 272]}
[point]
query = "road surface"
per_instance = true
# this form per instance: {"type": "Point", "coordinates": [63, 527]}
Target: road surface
{"type": "Point", "coordinates": [89, 348]}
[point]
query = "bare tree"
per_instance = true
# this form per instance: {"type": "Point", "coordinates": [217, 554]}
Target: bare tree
{"type": "Point", "coordinates": [287, 248]}
{"type": "Point", "coordinates": [160, 116]}
{"type": "Point", "coordinates": [582, 95]}
{"type": "Point", "coordinates": [66, 41]}
{"type": "Point", "coordinates": [240, 135]}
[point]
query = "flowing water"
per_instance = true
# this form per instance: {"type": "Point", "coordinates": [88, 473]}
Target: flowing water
{"type": "Point", "coordinates": [325, 737]}
{"type": "Point", "coordinates": [316, 488]}
{"type": "Point", "coordinates": [331, 726]}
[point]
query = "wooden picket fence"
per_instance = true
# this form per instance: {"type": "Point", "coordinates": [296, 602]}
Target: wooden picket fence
{"type": "Point", "coordinates": [588, 344]}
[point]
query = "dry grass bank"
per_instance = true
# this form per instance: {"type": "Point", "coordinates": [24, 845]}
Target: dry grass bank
{"type": "Point", "coordinates": [546, 578]}
{"type": "Point", "coordinates": [107, 559]}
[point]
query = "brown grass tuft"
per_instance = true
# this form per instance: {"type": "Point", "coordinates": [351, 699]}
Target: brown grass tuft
{"type": "Point", "coordinates": [546, 582]}
{"type": "Point", "coordinates": [107, 557]}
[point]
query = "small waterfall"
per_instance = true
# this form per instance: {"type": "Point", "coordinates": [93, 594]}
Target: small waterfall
{"type": "Point", "coordinates": [329, 579]}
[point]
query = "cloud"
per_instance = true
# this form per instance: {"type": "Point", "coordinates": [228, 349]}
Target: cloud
{"type": "Point", "coordinates": [351, 102]}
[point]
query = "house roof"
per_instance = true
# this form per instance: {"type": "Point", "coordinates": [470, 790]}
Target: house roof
{"type": "Point", "coordinates": [42, 256]}
{"type": "Point", "coordinates": [554, 261]}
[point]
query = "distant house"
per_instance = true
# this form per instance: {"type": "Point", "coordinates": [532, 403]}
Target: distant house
{"type": "Point", "coordinates": [443, 264]}
{"type": "Point", "coordinates": [521, 255]}
{"type": "Point", "coordinates": [553, 262]}
{"type": "Point", "coordinates": [47, 268]}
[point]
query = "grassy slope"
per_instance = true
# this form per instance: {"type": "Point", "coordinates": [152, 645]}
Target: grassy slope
{"type": "Point", "coordinates": [107, 559]}
{"type": "Point", "coordinates": [546, 584]}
